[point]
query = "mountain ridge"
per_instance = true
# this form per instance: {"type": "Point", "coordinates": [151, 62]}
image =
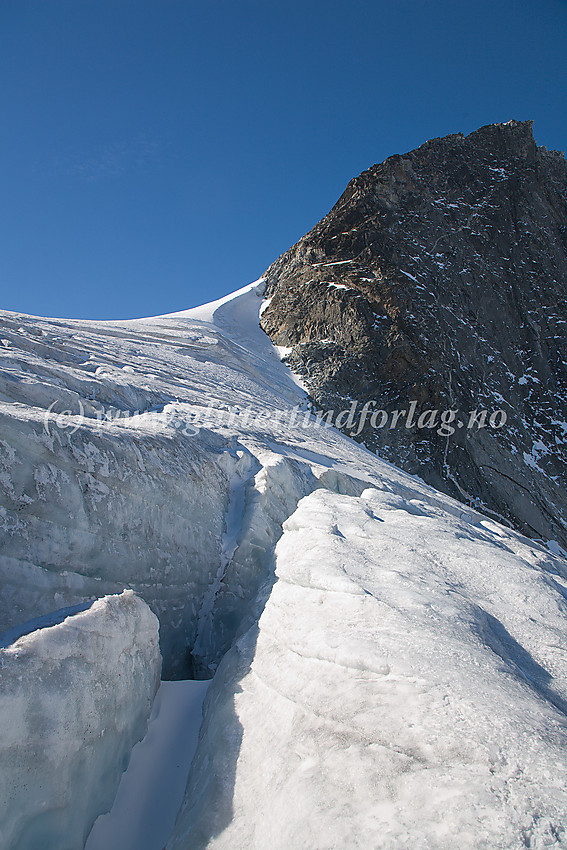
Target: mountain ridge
{"type": "Point", "coordinates": [440, 277]}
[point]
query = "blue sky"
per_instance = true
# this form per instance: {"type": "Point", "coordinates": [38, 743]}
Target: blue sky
{"type": "Point", "coordinates": [156, 155]}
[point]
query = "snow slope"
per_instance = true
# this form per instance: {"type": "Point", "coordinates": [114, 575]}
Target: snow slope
{"type": "Point", "coordinates": [391, 670]}
{"type": "Point", "coordinates": [405, 688]}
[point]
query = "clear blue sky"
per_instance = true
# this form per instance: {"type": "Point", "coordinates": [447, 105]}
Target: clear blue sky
{"type": "Point", "coordinates": [155, 155]}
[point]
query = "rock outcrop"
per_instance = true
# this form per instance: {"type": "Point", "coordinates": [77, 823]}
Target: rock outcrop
{"type": "Point", "coordinates": [438, 282]}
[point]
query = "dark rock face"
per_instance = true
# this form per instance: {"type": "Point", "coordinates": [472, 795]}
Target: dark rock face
{"type": "Point", "coordinates": [440, 278]}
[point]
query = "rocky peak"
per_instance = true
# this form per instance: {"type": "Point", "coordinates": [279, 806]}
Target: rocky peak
{"type": "Point", "coordinates": [440, 277]}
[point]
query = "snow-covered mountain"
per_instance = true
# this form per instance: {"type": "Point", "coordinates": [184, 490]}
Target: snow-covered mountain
{"type": "Point", "coordinates": [388, 667]}
{"type": "Point", "coordinates": [434, 296]}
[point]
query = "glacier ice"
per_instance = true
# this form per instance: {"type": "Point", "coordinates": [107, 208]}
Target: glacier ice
{"type": "Point", "coordinates": [122, 491]}
{"type": "Point", "coordinates": [389, 663]}
{"type": "Point", "coordinates": [74, 699]}
{"type": "Point", "coordinates": [405, 687]}
{"type": "Point", "coordinates": [93, 513]}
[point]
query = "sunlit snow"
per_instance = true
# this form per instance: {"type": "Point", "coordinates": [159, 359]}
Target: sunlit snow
{"type": "Point", "coordinates": [390, 665]}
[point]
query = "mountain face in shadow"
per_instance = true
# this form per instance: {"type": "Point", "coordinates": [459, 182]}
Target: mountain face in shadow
{"type": "Point", "coordinates": [438, 282]}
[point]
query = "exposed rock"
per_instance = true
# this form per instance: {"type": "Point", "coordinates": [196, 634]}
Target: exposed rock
{"type": "Point", "coordinates": [440, 277]}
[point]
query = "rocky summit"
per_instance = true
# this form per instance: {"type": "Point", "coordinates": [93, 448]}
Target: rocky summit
{"type": "Point", "coordinates": [427, 317]}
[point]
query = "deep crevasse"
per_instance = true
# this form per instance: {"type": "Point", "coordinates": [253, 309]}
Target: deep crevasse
{"type": "Point", "coordinates": [404, 673]}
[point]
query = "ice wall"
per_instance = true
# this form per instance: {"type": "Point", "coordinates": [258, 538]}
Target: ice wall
{"type": "Point", "coordinates": [93, 512]}
{"type": "Point", "coordinates": [259, 505]}
{"type": "Point", "coordinates": [74, 699]}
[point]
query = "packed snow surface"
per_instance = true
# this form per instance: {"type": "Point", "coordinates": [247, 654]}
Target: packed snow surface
{"type": "Point", "coordinates": [74, 698]}
{"type": "Point", "coordinates": [405, 687]}
{"type": "Point", "coordinates": [390, 665]}
{"type": "Point", "coordinates": [151, 789]}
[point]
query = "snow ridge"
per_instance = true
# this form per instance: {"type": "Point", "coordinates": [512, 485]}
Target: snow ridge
{"type": "Point", "coordinates": [407, 681]}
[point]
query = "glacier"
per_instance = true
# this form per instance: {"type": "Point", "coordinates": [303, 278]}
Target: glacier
{"type": "Point", "coordinates": [388, 666]}
{"type": "Point", "coordinates": [404, 687]}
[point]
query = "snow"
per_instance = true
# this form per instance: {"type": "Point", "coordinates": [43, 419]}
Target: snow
{"type": "Point", "coordinates": [411, 277]}
{"type": "Point", "coordinates": [92, 512]}
{"type": "Point", "coordinates": [74, 698]}
{"type": "Point", "coordinates": [554, 547]}
{"type": "Point", "coordinates": [406, 678]}
{"type": "Point", "coordinates": [389, 666]}
{"type": "Point", "coordinates": [53, 619]}
{"type": "Point", "coordinates": [206, 312]}
{"type": "Point", "coordinates": [146, 492]}
{"type": "Point", "coordinates": [283, 351]}
{"type": "Point", "coordinates": [539, 450]}
{"type": "Point", "coordinates": [151, 790]}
